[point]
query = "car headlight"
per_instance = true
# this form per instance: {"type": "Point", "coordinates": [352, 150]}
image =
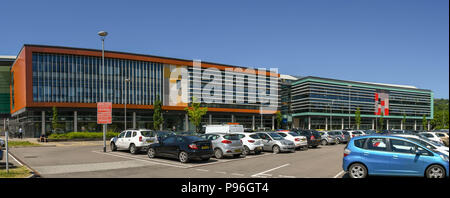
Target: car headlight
{"type": "Point", "coordinates": [445, 158]}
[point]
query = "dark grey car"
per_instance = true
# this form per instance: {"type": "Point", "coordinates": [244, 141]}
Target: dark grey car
{"type": "Point", "coordinates": [341, 136]}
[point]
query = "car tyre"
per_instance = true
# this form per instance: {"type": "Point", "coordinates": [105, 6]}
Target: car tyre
{"type": "Point", "coordinates": [357, 170]}
{"type": "Point", "coordinates": [276, 149]}
{"type": "Point", "coordinates": [338, 141]}
{"type": "Point", "coordinates": [133, 149]}
{"type": "Point", "coordinates": [246, 150]}
{"type": "Point", "coordinates": [218, 154]}
{"type": "Point", "coordinates": [324, 142]}
{"type": "Point", "coordinates": [151, 153]}
{"type": "Point", "coordinates": [435, 171]}
{"type": "Point", "coordinates": [113, 146]}
{"type": "Point", "coordinates": [183, 157]}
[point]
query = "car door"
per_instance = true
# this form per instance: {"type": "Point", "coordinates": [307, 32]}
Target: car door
{"type": "Point", "coordinates": [377, 156]}
{"type": "Point", "coordinates": [127, 140]}
{"type": "Point", "coordinates": [267, 141]}
{"type": "Point", "coordinates": [166, 144]}
{"type": "Point", "coordinates": [120, 140]}
{"type": "Point", "coordinates": [405, 160]}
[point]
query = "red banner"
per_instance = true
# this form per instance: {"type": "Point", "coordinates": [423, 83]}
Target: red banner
{"type": "Point", "coordinates": [104, 113]}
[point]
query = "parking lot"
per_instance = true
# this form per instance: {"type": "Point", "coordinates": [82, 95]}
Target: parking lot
{"type": "Point", "coordinates": [87, 161]}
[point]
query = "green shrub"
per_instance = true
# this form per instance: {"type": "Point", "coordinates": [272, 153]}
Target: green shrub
{"type": "Point", "coordinates": [82, 135]}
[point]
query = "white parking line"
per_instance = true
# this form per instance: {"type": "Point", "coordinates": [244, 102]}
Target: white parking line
{"type": "Point", "coordinates": [339, 174]}
{"type": "Point", "coordinates": [286, 176]}
{"type": "Point", "coordinates": [144, 160]}
{"type": "Point", "coordinates": [202, 170]}
{"type": "Point", "coordinates": [237, 174]}
{"type": "Point", "coordinates": [264, 172]}
{"type": "Point", "coordinates": [15, 159]}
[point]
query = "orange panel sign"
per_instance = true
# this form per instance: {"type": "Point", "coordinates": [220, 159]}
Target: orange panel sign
{"type": "Point", "coordinates": [104, 113]}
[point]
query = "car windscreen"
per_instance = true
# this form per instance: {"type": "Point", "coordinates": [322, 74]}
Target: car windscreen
{"type": "Point", "coordinates": [254, 136]}
{"type": "Point", "coordinates": [315, 133]}
{"type": "Point", "coordinates": [231, 137]}
{"type": "Point", "coordinates": [147, 133]}
{"type": "Point", "coordinates": [275, 136]}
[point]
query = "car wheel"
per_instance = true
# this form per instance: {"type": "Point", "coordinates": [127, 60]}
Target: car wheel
{"type": "Point", "coordinates": [305, 148]}
{"type": "Point", "coordinates": [324, 142]}
{"type": "Point", "coordinates": [435, 171]}
{"type": "Point", "coordinates": [151, 153]}
{"type": "Point", "coordinates": [338, 141]}
{"type": "Point", "coordinates": [183, 157]}
{"type": "Point", "coordinates": [113, 146]}
{"type": "Point", "coordinates": [276, 149]}
{"type": "Point", "coordinates": [218, 154]}
{"type": "Point", "coordinates": [246, 151]}
{"type": "Point", "coordinates": [357, 170]}
{"type": "Point", "coordinates": [133, 149]}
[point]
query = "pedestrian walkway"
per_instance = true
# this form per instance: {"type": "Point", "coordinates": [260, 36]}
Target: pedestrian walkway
{"type": "Point", "coordinates": [63, 143]}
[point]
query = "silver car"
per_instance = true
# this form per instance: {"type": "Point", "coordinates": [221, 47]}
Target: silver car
{"type": "Point", "coordinates": [225, 144]}
{"type": "Point", "coordinates": [328, 138]}
{"type": "Point", "coordinates": [276, 143]}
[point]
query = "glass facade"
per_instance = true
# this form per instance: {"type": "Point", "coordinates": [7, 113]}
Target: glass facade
{"type": "Point", "coordinates": [78, 79]}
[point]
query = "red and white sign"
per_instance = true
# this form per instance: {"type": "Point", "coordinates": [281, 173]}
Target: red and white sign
{"type": "Point", "coordinates": [104, 113]}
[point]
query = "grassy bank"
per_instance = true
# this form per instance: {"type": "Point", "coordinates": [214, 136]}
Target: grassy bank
{"type": "Point", "coordinates": [82, 135]}
{"type": "Point", "coordinates": [21, 143]}
{"type": "Point", "coordinates": [18, 172]}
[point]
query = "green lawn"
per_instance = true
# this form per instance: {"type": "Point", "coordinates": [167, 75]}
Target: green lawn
{"type": "Point", "coordinates": [21, 143]}
{"type": "Point", "coordinates": [18, 172]}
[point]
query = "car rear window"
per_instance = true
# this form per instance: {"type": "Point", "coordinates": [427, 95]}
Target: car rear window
{"type": "Point", "coordinates": [294, 134]}
{"type": "Point", "coordinates": [231, 137]}
{"type": "Point", "coordinates": [194, 138]}
{"type": "Point", "coordinates": [345, 133]}
{"type": "Point", "coordinates": [255, 136]}
{"type": "Point", "coordinates": [147, 133]}
{"type": "Point", "coordinates": [282, 134]}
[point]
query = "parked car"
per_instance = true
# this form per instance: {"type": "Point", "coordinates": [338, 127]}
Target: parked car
{"type": "Point", "coordinates": [443, 136]}
{"type": "Point", "coordinates": [432, 136]}
{"type": "Point", "coordinates": [133, 140]}
{"type": "Point", "coordinates": [252, 143]}
{"type": "Point", "coordinates": [368, 132]}
{"type": "Point", "coordinates": [426, 142]}
{"type": "Point", "coordinates": [225, 144]}
{"type": "Point", "coordinates": [299, 140]}
{"type": "Point", "coordinates": [355, 133]}
{"type": "Point", "coordinates": [182, 147]}
{"type": "Point", "coordinates": [327, 138]}
{"type": "Point", "coordinates": [342, 137]}
{"type": "Point", "coordinates": [392, 156]}
{"type": "Point", "coordinates": [276, 143]}
{"type": "Point", "coordinates": [224, 128]}
{"type": "Point", "coordinates": [313, 137]}
{"type": "Point", "coordinates": [2, 143]}
{"type": "Point", "coordinates": [1, 149]}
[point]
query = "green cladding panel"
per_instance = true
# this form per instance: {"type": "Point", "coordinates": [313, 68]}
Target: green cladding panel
{"type": "Point", "coordinates": [4, 90]}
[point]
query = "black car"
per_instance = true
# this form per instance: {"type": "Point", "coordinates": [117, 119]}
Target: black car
{"type": "Point", "coordinates": [313, 137]}
{"type": "Point", "coordinates": [182, 147]}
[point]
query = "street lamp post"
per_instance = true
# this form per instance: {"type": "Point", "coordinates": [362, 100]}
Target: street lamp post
{"type": "Point", "coordinates": [102, 35]}
{"type": "Point", "coordinates": [349, 86]}
{"type": "Point", "coordinates": [126, 96]}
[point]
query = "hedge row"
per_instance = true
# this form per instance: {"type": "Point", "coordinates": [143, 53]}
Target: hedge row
{"type": "Point", "coordinates": [82, 135]}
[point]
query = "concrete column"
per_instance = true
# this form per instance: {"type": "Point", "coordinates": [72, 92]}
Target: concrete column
{"type": "Point", "coordinates": [253, 122]}
{"type": "Point", "coordinates": [309, 122]}
{"type": "Point", "coordinates": [262, 121]}
{"type": "Point", "coordinates": [75, 121]}
{"type": "Point", "coordinates": [387, 124]}
{"type": "Point", "coordinates": [342, 123]}
{"type": "Point", "coordinates": [210, 118]}
{"type": "Point", "coordinates": [232, 118]}
{"type": "Point", "coordinates": [273, 122]}
{"type": "Point", "coordinates": [429, 125]}
{"type": "Point", "coordinates": [415, 125]}
{"type": "Point", "coordinates": [134, 120]}
{"type": "Point", "coordinates": [43, 123]}
{"type": "Point", "coordinates": [326, 124]}
{"type": "Point", "coordinates": [186, 122]}
{"type": "Point", "coordinates": [401, 125]}
{"type": "Point", "coordinates": [373, 124]}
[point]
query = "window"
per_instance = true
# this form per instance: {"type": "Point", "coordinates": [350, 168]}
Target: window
{"type": "Point", "coordinates": [147, 133]}
{"type": "Point", "coordinates": [231, 137]}
{"type": "Point", "coordinates": [128, 135]}
{"type": "Point", "coordinates": [360, 143]}
{"type": "Point", "coordinates": [377, 144]}
{"type": "Point", "coordinates": [169, 140]}
{"type": "Point", "coordinates": [282, 134]}
{"type": "Point", "coordinates": [400, 146]}
{"type": "Point", "coordinates": [134, 134]}
{"type": "Point", "coordinates": [122, 134]}
{"type": "Point", "coordinates": [180, 139]}
{"type": "Point", "coordinates": [255, 136]}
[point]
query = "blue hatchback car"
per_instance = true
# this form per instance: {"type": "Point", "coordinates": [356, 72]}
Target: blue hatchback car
{"type": "Point", "coordinates": [392, 156]}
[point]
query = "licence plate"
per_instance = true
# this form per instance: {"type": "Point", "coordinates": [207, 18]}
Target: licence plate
{"type": "Point", "coordinates": [237, 150]}
{"type": "Point", "coordinates": [149, 141]}
{"type": "Point", "coordinates": [205, 147]}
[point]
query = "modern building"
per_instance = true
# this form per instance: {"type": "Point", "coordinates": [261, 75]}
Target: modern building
{"type": "Point", "coordinates": [322, 103]}
{"type": "Point", "coordinates": [70, 79]}
{"type": "Point", "coordinates": [5, 67]}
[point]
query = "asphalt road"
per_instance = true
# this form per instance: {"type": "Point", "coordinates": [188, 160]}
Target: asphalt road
{"type": "Point", "coordinates": [91, 162]}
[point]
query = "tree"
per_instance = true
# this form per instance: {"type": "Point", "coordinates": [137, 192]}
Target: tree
{"type": "Point", "coordinates": [404, 120]}
{"type": "Point", "coordinates": [279, 119]}
{"type": "Point", "coordinates": [357, 118]}
{"type": "Point", "coordinates": [55, 119]}
{"type": "Point", "coordinates": [157, 114]}
{"type": "Point", "coordinates": [381, 121]}
{"type": "Point", "coordinates": [195, 113]}
{"type": "Point", "coordinates": [424, 122]}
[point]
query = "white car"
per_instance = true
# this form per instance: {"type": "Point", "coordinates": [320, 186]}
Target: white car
{"type": "Point", "coordinates": [431, 136]}
{"type": "Point", "coordinates": [299, 140]}
{"type": "Point", "coordinates": [425, 142]}
{"type": "Point", "coordinates": [252, 143]}
{"type": "Point", "coordinates": [356, 133]}
{"type": "Point", "coordinates": [133, 140]}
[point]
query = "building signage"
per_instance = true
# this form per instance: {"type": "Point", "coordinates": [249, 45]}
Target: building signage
{"type": "Point", "coordinates": [104, 113]}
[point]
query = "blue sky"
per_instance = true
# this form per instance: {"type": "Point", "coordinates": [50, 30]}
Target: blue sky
{"type": "Point", "coordinates": [386, 41]}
